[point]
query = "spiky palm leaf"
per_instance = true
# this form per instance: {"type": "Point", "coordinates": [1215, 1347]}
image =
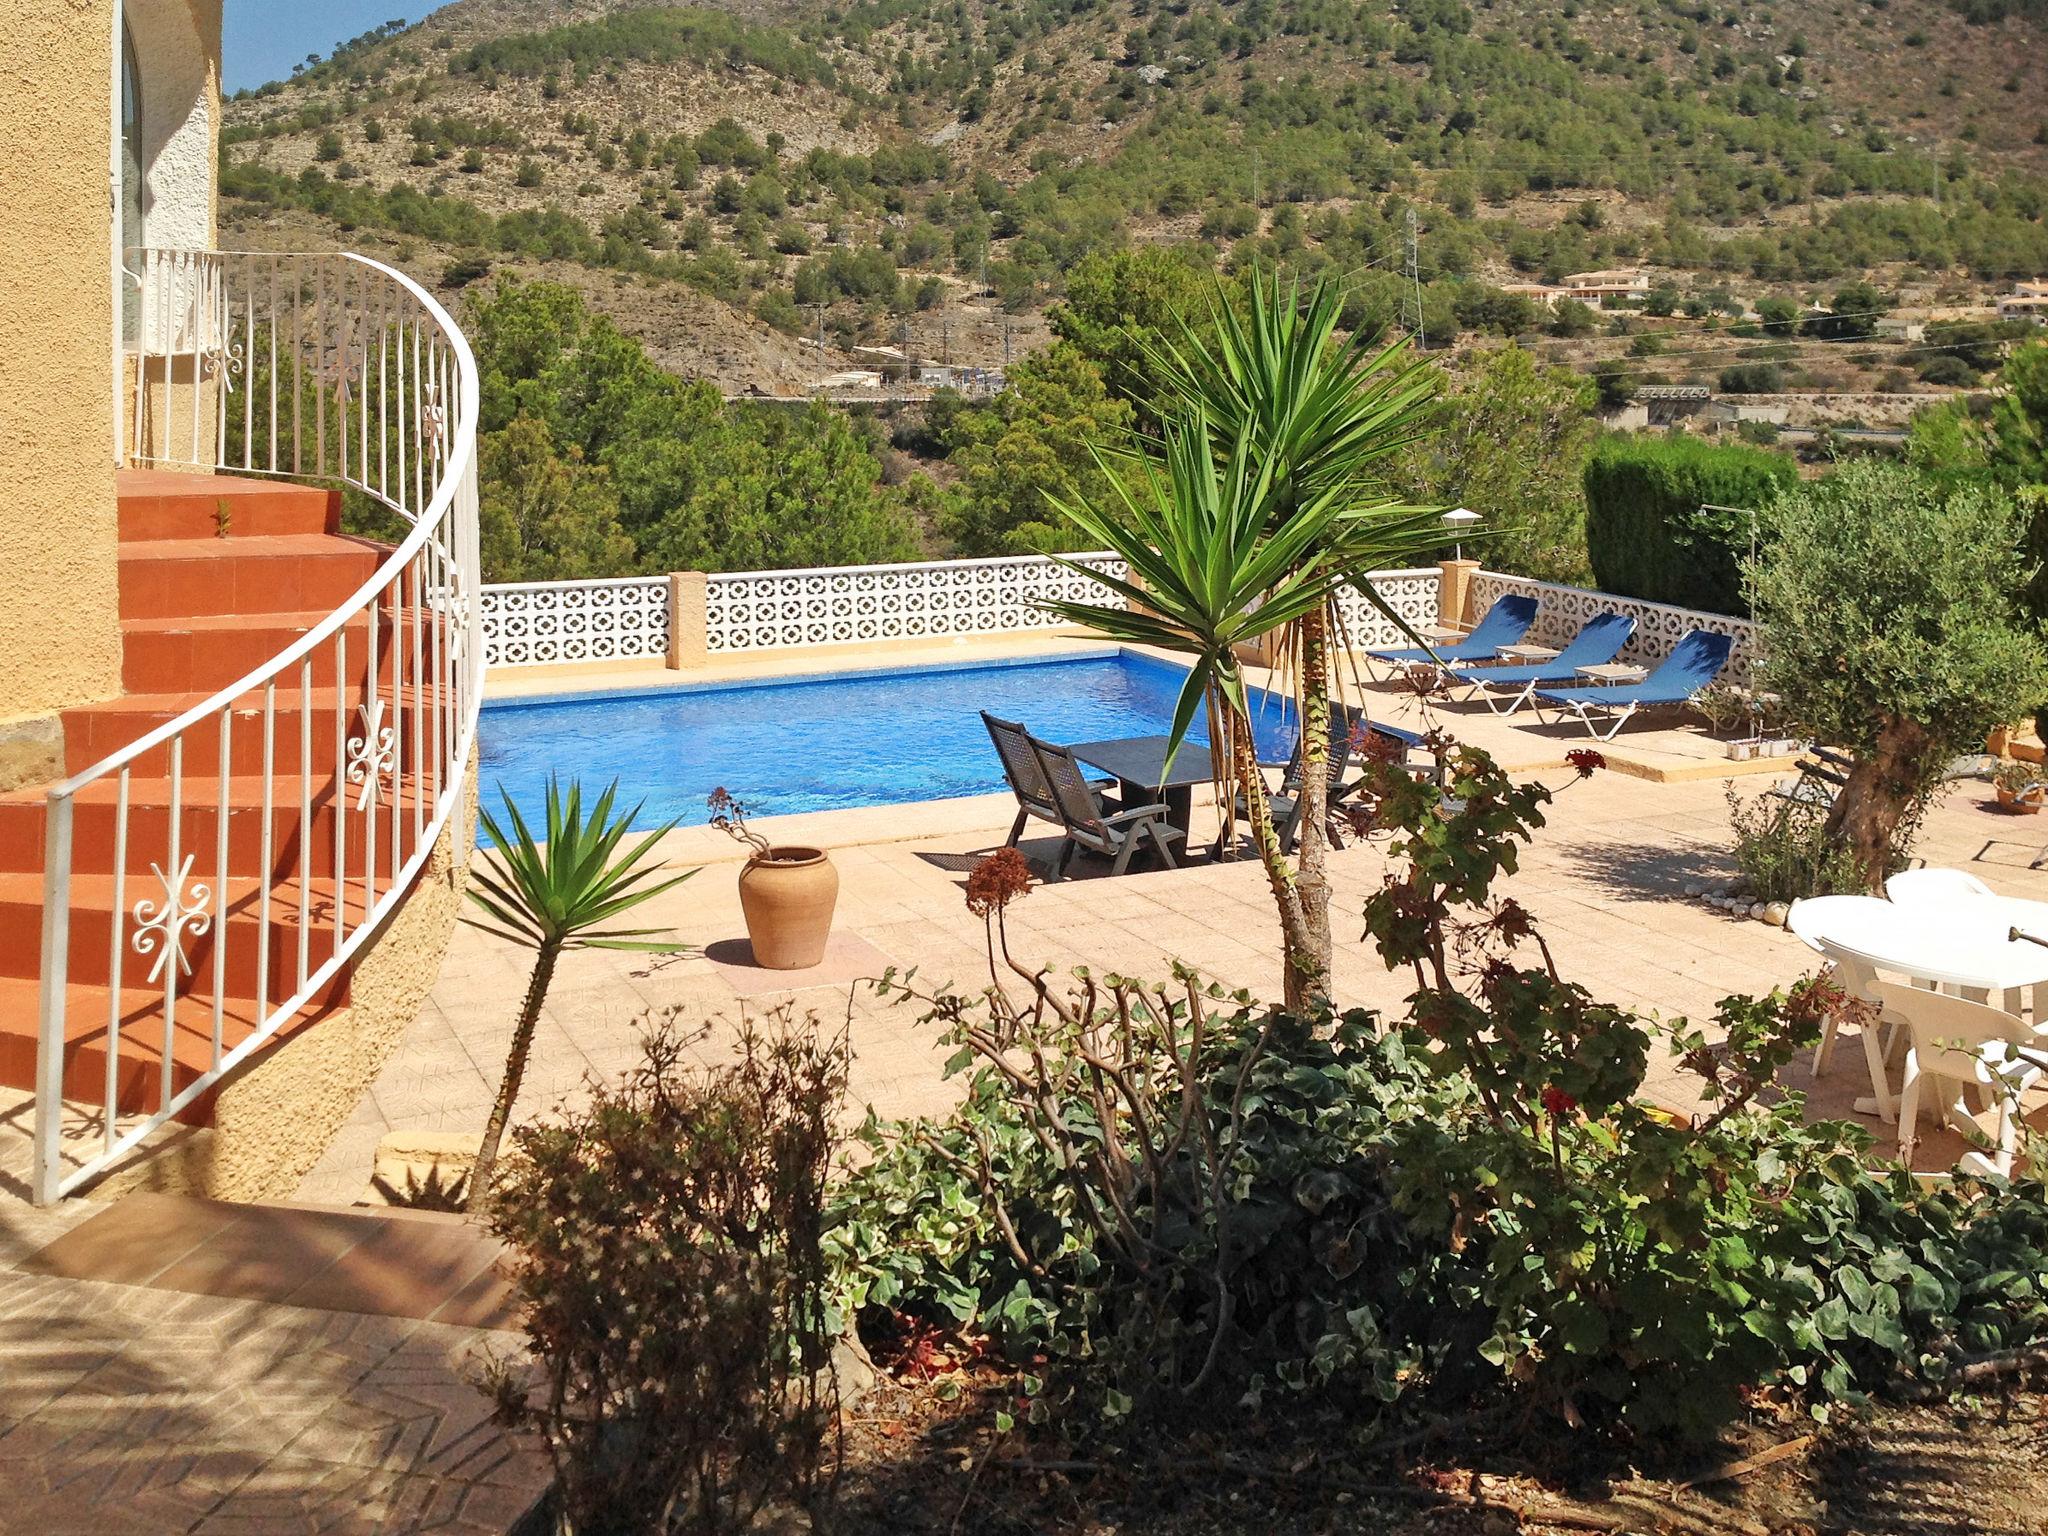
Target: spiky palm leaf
{"type": "Point", "coordinates": [1208, 571]}
{"type": "Point", "coordinates": [553, 893]}
{"type": "Point", "coordinates": [560, 887]}
{"type": "Point", "coordinates": [1325, 412]}
{"type": "Point", "coordinates": [1258, 502]}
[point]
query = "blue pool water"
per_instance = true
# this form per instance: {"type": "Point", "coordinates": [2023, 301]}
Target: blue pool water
{"type": "Point", "coordinates": [826, 743]}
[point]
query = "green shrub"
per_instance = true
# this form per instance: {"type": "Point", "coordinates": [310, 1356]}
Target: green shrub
{"type": "Point", "coordinates": [1752, 379]}
{"type": "Point", "coordinates": [1784, 852]}
{"type": "Point", "coordinates": [1646, 533]}
{"type": "Point", "coordinates": [668, 1243]}
{"type": "Point", "coordinates": [1949, 371]}
{"type": "Point", "coordinates": [1158, 1200]}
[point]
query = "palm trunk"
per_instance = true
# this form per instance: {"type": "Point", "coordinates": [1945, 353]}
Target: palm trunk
{"type": "Point", "coordinates": [1875, 798]}
{"type": "Point", "coordinates": [515, 1070]}
{"type": "Point", "coordinates": [1296, 937]}
{"type": "Point", "coordinates": [1312, 847]}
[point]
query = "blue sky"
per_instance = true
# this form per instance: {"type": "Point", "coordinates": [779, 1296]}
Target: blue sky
{"type": "Point", "coordinates": [263, 39]}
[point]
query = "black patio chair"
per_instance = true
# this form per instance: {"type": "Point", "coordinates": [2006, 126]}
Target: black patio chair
{"type": "Point", "coordinates": [1089, 824]}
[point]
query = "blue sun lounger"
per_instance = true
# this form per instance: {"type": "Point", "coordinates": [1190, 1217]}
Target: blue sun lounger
{"type": "Point", "coordinates": [1694, 662]}
{"type": "Point", "coordinates": [1506, 689]}
{"type": "Point", "coordinates": [1505, 623]}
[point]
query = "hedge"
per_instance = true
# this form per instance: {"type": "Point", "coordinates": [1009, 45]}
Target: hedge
{"type": "Point", "coordinates": [1645, 533]}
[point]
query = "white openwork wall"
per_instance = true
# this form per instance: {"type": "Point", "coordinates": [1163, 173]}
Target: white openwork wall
{"type": "Point", "coordinates": [1659, 626]}
{"type": "Point", "coordinates": [1410, 593]}
{"type": "Point", "coordinates": [532, 623]}
{"type": "Point", "coordinates": [839, 605]}
{"type": "Point", "coordinates": [535, 623]}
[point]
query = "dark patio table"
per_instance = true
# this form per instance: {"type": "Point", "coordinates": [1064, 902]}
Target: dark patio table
{"type": "Point", "coordinates": [1138, 764]}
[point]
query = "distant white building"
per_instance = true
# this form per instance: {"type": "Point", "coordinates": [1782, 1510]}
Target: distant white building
{"type": "Point", "coordinates": [1595, 287]}
{"type": "Point", "coordinates": [2028, 302]}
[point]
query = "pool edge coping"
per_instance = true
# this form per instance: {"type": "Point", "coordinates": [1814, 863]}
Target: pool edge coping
{"type": "Point", "coordinates": [1099, 651]}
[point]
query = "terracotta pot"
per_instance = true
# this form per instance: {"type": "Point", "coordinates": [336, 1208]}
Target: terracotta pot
{"type": "Point", "coordinates": [788, 895]}
{"type": "Point", "coordinates": [2022, 802]}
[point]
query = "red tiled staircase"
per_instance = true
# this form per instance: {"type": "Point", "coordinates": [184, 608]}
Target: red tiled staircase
{"type": "Point", "coordinates": [217, 575]}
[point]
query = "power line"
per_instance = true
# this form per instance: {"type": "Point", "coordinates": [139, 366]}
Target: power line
{"type": "Point", "coordinates": [1415, 276]}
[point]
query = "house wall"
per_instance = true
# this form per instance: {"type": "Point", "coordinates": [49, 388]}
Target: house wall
{"type": "Point", "coordinates": [59, 643]}
{"type": "Point", "coordinates": [60, 640]}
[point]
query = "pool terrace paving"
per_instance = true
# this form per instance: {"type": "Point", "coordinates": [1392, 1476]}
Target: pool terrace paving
{"type": "Point", "coordinates": [1605, 880]}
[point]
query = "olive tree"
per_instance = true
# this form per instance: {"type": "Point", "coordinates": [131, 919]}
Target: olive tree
{"type": "Point", "coordinates": [1891, 626]}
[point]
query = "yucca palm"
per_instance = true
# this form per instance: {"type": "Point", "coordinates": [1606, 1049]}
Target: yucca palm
{"type": "Point", "coordinates": [1258, 505]}
{"type": "Point", "coordinates": [555, 893]}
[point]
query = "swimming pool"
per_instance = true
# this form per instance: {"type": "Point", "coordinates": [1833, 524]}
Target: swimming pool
{"type": "Point", "coordinates": [827, 742]}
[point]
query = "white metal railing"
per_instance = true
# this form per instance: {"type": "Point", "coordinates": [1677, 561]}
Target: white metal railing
{"type": "Point", "coordinates": [216, 876]}
{"type": "Point", "coordinates": [1561, 610]}
{"type": "Point", "coordinates": [848, 604]}
{"type": "Point", "coordinates": [534, 623]}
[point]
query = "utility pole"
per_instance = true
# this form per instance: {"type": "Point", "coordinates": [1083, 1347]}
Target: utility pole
{"type": "Point", "coordinates": [1415, 277]}
{"type": "Point", "coordinates": [1006, 343]}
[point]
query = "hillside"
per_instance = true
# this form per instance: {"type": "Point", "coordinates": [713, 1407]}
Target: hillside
{"type": "Point", "coordinates": [923, 172]}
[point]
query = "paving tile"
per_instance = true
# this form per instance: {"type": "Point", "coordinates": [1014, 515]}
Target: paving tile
{"type": "Point", "coordinates": [487, 1300]}
{"type": "Point", "coordinates": [267, 1254]}
{"type": "Point", "coordinates": [848, 958]}
{"type": "Point", "coordinates": [401, 1269]}
{"type": "Point", "coordinates": [134, 1240]}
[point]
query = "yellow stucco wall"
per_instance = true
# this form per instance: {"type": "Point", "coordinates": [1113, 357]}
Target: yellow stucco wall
{"type": "Point", "coordinates": [59, 643]}
{"type": "Point", "coordinates": [60, 640]}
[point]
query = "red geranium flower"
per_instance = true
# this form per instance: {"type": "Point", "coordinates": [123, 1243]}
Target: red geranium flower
{"type": "Point", "coordinates": [1586, 761]}
{"type": "Point", "coordinates": [1557, 1103]}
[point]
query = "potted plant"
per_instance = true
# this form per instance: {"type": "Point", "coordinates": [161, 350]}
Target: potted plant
{"type": "Point", "coordinates": [2021, 789]}
{"type": "Point", "coordinates": [787, 893]}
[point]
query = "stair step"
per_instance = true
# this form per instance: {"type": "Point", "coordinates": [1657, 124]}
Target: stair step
{"type": "Point", "coordinates": [261, 574]}
{"type": "Point", "coordinates": [168, 504]}
{"type": "Point", "coordinates": [94, 825]}
{"type": "Point", "coordinates": [93, 732]}
{"type": "Point", "coordinates": [390, 1263]}
{"type": "Point", "coordinates": [139, 1077]}
{"type": "Point", "coordinates": [262, 950]}
{"type": "Point", "coordinates": [199, 654]}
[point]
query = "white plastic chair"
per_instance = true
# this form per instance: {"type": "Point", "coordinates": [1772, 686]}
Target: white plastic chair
{"type": "Point", "coordinates": [1965, 1046]}
{"type": "Point", "coordinates": [1857, 977]}
{"type": "Point", "coordinates": [1927, 887]}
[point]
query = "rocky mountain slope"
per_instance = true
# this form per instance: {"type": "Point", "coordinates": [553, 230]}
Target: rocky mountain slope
{"type": "Point", "coordinates": [921, 173]}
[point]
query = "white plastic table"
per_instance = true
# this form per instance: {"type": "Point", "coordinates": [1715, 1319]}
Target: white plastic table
{"type": "Point", "coordinates": [1961, 944]}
